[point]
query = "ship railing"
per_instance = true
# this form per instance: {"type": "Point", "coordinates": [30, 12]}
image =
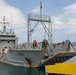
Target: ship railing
{"type": "Point", "coordinates": [21, 46]}
{"type": "Point", "coordinates": [58, 46]}
{"type": "Point", "coordinates": [24, 46]}
{"type": "Point", "coordinates": [39, 17]}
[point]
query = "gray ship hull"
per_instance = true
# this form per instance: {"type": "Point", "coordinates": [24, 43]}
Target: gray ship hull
{"type": "Point", "coordinates": [28, 58]}
{"type": "Point", "coordinates": [35, 57]}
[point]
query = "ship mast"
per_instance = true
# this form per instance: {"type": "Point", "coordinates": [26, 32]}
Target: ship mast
{"type": "Point", "coordinates": [41, 10]}
{"type": "Point", "coordinates": [11, 25]}
{"type": "Point", "coordinates": [4, 24]}
{"type": "Point", "coordinates": [43, 19]}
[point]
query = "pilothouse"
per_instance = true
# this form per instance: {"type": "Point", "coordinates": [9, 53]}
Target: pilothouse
{"type": "Point", "coordinates": [7, 38]}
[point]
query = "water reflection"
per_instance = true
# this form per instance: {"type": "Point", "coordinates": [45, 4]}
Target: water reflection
{"type": "Point", "coordinates": [6, 69]}
{"type": "Point", "coordinates": [35, 71]}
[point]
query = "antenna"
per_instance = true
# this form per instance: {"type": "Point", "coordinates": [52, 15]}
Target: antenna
{"type": "Point", "coordinates": [4, 24]}
{"type": "Point", "coordinates": [11, 24]}
{"type": "Point", "coordinates": [40, 9]}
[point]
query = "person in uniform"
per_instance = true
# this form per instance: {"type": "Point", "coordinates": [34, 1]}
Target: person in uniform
{"type": "Point", "coordinates": [34, 44]}
{"type": "Point", "coordinates": [44, 44]}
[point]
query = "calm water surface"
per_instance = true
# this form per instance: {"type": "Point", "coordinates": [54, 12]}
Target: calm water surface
{"type": "Point", "coordinates": [6, 69]}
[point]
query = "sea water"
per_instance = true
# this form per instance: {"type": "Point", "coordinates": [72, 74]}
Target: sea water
{"type": "Point", "coordinates": [6, 69]}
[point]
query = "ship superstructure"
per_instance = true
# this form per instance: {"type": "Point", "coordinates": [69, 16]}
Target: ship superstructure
{"type": "Point", "coordinates": [7, 39]}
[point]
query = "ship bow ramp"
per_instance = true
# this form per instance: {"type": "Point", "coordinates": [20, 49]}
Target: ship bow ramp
{"type": "Point", "coordinates": [60, 55]}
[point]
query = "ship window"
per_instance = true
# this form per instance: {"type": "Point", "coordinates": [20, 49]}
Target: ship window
{"type": "Point", "coordinates": [8, 41]}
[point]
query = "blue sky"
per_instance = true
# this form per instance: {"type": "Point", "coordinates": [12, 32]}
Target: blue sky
{"type": "Point", "coordinates": [53, 6]}
{"type": "Point", "coordinates": [63, 13]}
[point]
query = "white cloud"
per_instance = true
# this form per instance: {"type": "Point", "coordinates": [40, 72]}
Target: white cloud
{"type": "Point", "coordinates": [71, 9]}
{"type": "Point", "coordinates": [57, 23]}
{"type": "Point", "coordinates": [66, 20]}
{"type": "Point", "coordinates": [18, 19]}
{"type": "Point", "coordinates": [36, 10]}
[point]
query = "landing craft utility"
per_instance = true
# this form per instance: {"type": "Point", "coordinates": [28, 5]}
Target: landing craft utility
{"type": "Point", "coordinates": [35, 54]}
